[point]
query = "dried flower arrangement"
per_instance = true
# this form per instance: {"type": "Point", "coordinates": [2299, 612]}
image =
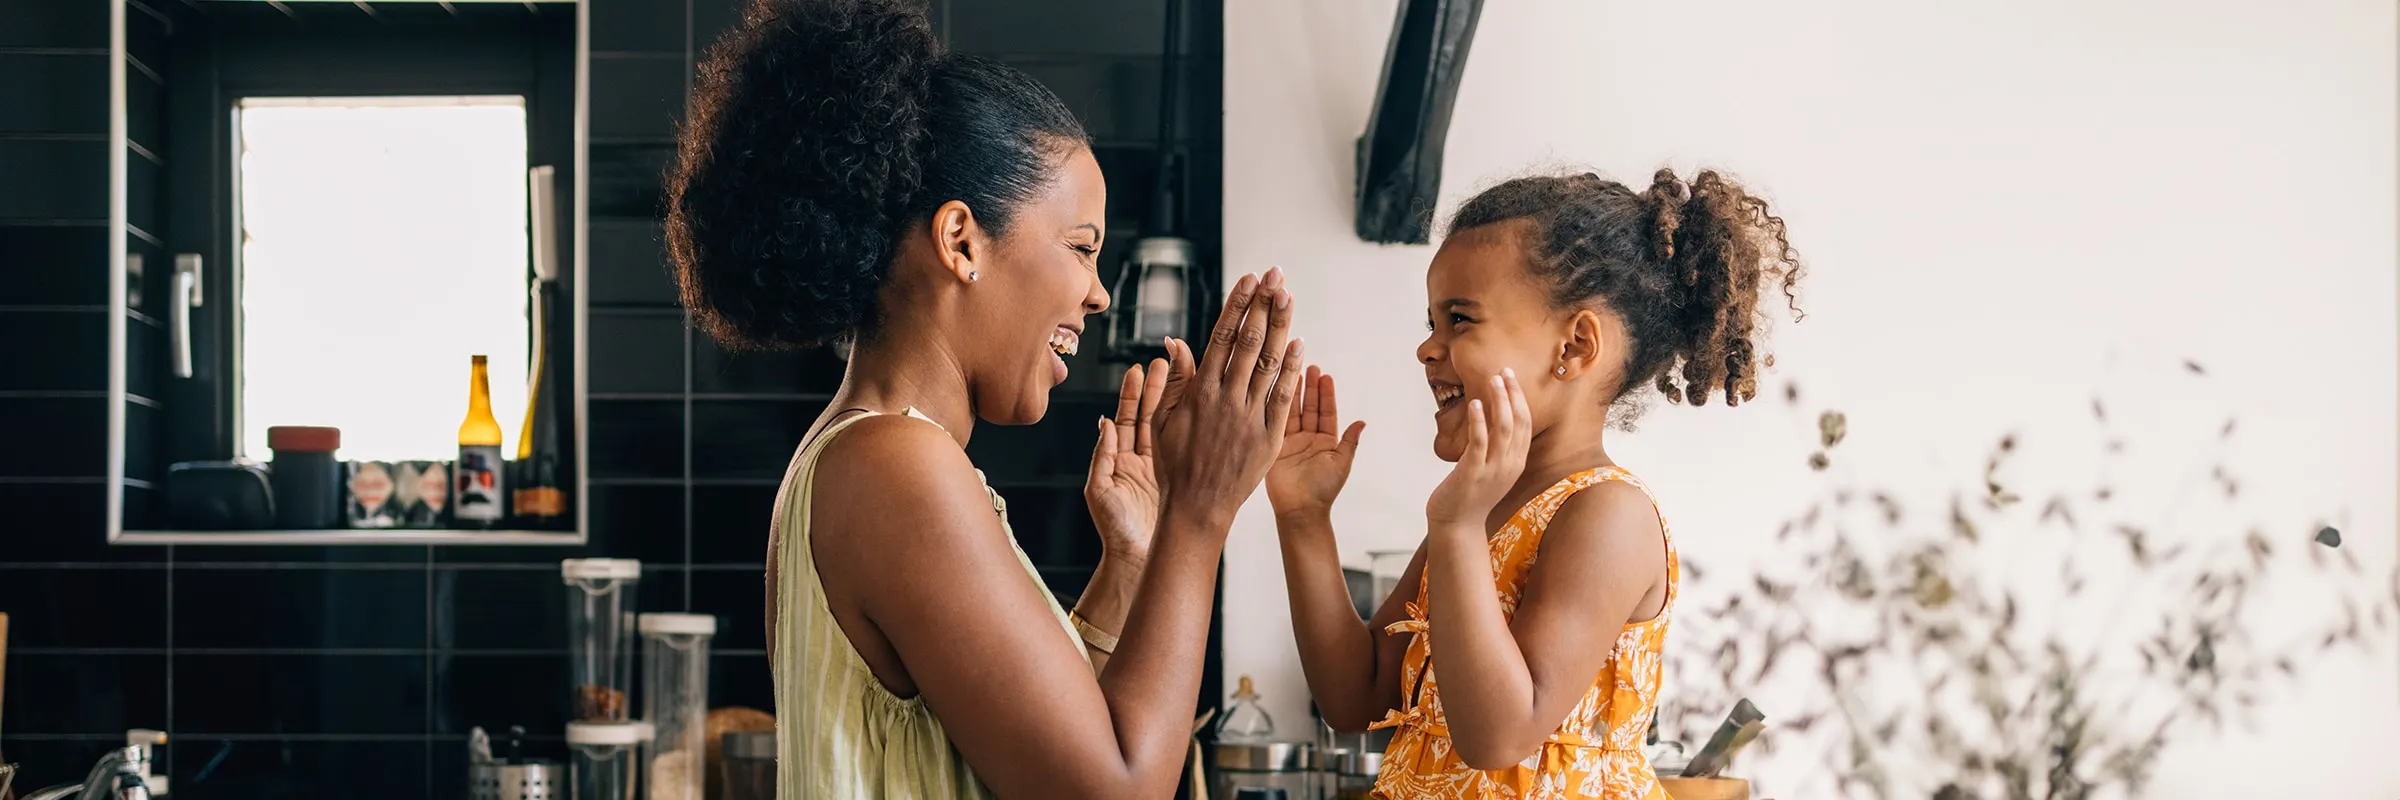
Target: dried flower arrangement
{"type": "Point", "coordinates": [1888, 632]}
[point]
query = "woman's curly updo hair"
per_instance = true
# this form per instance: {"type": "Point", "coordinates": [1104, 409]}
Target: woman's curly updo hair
{"type": "Point", "coordinates": [819, 130]}
{"type": "Point", "coordinates": [1682, 264]}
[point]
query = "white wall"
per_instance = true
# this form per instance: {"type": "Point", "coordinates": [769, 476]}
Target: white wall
{"type": "Point", "coordinates": [2007, 207]}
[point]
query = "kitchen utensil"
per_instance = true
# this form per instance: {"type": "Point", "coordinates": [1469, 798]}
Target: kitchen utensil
{"type": "Point", "coordinates": [518, 780]}
{"type": "Point", "coordinates": [733, 719]}
{"type": "Point", "coordinates": [1198, 779]}
{"type": "Point", "coordinates": [749, 768]}
{"type": "Point", "coordinates": [1713, 756]}
{"type": "Point", "coordinates": [1284, 766]}
{"type": "Point", "coordinates": [512, 777]}
{"type": "Point", "coordinates": [675, 700]}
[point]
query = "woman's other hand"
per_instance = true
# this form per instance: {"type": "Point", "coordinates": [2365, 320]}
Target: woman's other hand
{"type": "Point", "coordinates": [1226, 425]}
{"type": "Point", "coordinates": [1122, 490]}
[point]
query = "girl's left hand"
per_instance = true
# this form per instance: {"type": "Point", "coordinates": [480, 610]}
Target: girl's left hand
{"type": "Point", "coordinates": [1499, 431]}
{"type": "Point", "coordinates": [1122, 489]}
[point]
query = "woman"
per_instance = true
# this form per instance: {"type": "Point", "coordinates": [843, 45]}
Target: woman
{"type": "Point", "coordinates": [843, 180]}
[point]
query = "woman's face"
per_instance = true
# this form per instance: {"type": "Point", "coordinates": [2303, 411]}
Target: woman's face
{"type": "Point", "coordinates": [1484, 312]}
{"type": "Point", "coordinates": [1027, 306]}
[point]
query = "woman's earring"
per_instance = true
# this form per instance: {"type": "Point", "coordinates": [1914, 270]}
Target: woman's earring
{"type": "Point", "coordinates": [972, 275]}
{"type": "Point", "coordinates": [1561, 370]}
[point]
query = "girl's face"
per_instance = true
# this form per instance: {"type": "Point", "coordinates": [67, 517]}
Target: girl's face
{"type": "Point", "coordinates": [1485, 312]}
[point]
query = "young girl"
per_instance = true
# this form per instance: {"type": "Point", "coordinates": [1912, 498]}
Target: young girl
{"type": "Point", "coordinates": [1520, 652]}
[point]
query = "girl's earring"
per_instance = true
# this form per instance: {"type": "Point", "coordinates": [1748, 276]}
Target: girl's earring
{"type": "Point", "coordinates": [972, 275]}
{"type": "Point", "coordinates": [1561, 371]}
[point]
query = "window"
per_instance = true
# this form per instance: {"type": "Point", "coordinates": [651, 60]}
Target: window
{"type": "Point", "coordinates": [382, 243]}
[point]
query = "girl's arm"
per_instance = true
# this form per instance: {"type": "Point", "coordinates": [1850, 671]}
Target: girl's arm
{"type": "Point", "coordinates": [1353, 668]}
{"type": "Point", "coordinates": [1506, 685]}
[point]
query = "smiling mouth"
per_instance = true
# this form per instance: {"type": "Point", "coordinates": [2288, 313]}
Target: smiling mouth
{"type": "Point", "coordinates": [1446, 396]}
{"type": "Point", "coordinates": [1064, 341]}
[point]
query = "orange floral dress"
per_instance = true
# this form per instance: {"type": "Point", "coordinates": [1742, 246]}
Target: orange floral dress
{"type": "Point", "coordinates": [1596, 752]}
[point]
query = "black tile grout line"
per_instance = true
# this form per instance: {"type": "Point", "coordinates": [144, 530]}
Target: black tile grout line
{"type": "Point", "coordinates": [82, 565]}
{"type": "Point", "coordinates": [181, 736]}
{"type": "Point", "coordinates": [69, 480]}
{"type": "Point", "coordinates": [272, 652]}
{"type": "Point", "coordinates": [54, 51]}
{"type": "Point", "coordinates": [296, 566]}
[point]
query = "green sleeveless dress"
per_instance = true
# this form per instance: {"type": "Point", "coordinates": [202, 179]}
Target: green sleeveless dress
{"type": "Point", "coordinates": [839, 734]}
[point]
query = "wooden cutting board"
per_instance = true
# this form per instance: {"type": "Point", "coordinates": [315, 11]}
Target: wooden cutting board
{"type": "Point", "coordinates": [1706, 788]}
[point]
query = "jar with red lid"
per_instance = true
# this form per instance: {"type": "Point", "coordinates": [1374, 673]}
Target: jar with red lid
{"type": "Point", "coordinates": [305, 478]}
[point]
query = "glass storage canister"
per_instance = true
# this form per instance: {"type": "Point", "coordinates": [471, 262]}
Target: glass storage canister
{"type": "Point", "coordinates": [607, 759]}
{"type": "Point", "coordinates": [600, 603]}
{"type": "Point", "coordinates": [675, 701]}
{"type": "Point", "coordinates": [749, 765]}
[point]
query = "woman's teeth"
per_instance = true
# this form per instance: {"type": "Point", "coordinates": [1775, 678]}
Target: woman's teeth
{"type": "Point", "coordinates": [1064, 343]}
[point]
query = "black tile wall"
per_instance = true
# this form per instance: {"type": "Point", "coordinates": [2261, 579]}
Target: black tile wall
{"type": "Point", "coordinates": [215, 768]}
{"type": "Point", "coordinates": [51, 264]}
{"type": "Point", "coordinates": [72, 174]}
{"type": "Point", "coordinates": [285, 671]}
{"type": "Point", "coordinates": [73, 355]}
{"type": "Point", "coordinates": [628, 265]}
{"type": "Point", "coordinates": [645, 96]}
{"type": "Point", "coordinates": [53, 92]}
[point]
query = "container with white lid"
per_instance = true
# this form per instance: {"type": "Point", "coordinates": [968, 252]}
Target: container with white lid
{"type": "Point", "coordinates": [600, 603]}
{"type": "Point", "coordinates": [607, 758]}
{"type": "Point", "coordinates": [675, 701]}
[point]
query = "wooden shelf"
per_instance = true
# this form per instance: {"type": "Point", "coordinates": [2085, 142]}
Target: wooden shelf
{"type": "Point", "coordinates": [369, 536]}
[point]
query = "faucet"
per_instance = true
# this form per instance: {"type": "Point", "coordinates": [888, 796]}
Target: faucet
{"type": "Point", "coordinates": [121, 774]}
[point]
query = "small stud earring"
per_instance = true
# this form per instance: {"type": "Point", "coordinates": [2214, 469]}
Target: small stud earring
{"type": "Point", "coordinates": [971, 276]}
{"type": "Point", "coordinates": [1562, 370]}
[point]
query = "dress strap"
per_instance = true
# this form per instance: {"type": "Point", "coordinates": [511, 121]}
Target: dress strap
{"type": "Point", "coordinates": [1537, 515]}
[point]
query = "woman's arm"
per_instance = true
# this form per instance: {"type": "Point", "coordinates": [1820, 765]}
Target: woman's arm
{"type": "Point", "coordinates": [914, 547]}
{"type": "Point", "coordinates": [1122, 493]}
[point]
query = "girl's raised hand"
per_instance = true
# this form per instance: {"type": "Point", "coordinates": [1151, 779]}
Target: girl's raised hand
{"type": "Point", "coordinates": [1317, 451]}
{"type": "Point", "coordinates": [1499, 431]}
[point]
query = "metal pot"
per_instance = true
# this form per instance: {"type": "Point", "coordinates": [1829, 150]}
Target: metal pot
{"type": "Point", "coordinates": [1288, 766]}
